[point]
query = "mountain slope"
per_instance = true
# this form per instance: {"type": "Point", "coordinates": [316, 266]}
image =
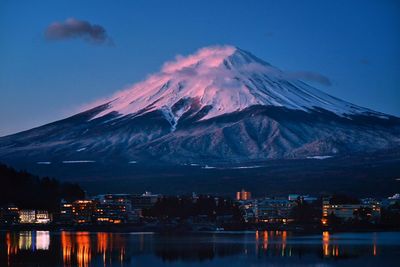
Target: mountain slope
{"type": "Point", "coordinates": [222, 80]}
{"type": "Point", "coordinates": [219, 105]}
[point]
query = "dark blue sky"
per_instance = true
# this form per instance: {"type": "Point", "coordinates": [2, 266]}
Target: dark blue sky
{"type": "Point", "coordinates": [356, 44]}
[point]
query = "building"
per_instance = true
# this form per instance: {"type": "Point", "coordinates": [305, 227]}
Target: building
{"type": "Point", "coordinates": [34, 216]}
{"type": "Point", "coordinates": [144, 201]}
{"type": "Point", "coordinates": [248, 209]}
{"type": "Point", "coordinates": [9, 214]}
{"type": "Point", "coordinates": [302, 198]}
{"type": "Point", "coordinates": [391, 201]}
{"type": "Point", "coordinates": [243, 195]}
{"type": "Point", "coordinates": [27, 216]}
{"type": "Point", "coordinates": [395, 197]}
{"type": "Point", "coordinates": [367, 209]}
{"type": "Point", "coordinates": [83, 211]}
{"type": "Point", "coordinates": [42, 217]}
{"type": "Point", "coordinates": [343, 211]}
{"type": "Point", "coordinates": [114, 208]}
{"type": "Point", "coordinates": [325, 213]}
{"type": "Point", "coordinates": [274, 210]}
{"type": "Point", "coordinates": [66, 214]}
{"type": "Point", "coordinates": [267, 210]}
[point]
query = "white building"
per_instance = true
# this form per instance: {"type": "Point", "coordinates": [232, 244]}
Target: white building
{"type": "Point", "coordinates": [34, 216]}
{"type": "Point", "coordinates": [42, 217]}
{"type": "Point", "coordinates": [27, 216]}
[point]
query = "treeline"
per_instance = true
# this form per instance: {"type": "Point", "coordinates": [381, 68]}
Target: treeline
{"type": "Point", "coordinates": [29, 191]}
{"type": "Point", "coordinates": [310, 213]}
{"type": "Point", "coordinates": [184, 207]}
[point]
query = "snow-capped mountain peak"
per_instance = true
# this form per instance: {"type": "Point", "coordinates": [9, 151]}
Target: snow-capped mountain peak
{"type": "Point", "coordinates": [224, 79]}
{"type": "Point", "coordinates": [259, 113]}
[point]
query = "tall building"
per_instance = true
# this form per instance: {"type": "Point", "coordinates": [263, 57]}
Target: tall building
{"type": "Point", "coordinates": [243, 195]}
{"type": "Point", "coordinates": [83, 211]}
{"type": "Point", "coordinates": [325, 213]}
{"type": "Point", "coordinates": [114, 208]}
{"type": "Point", "coordinates": [66, 214]}
{"type": "Point", "coordinates": [274, 210]}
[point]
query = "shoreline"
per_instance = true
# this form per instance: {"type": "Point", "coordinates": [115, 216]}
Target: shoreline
{"type": "Point", "coordinates": [177, 230]}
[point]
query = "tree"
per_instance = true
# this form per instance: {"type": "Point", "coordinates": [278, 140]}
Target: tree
{"type": "Point", "coordinates": [305, 213]}
{"type": "Point", "coordinates": [29, 191]}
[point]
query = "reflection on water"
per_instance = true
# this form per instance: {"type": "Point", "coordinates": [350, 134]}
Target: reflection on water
{"type": "Point", "coordinates": [325, 243]}
{"type": "Point", "coordinates": [27, 240]}
{"type": "Point", "coordinates": [42, 240]}
{"type": "Point", "coordinates": [66, 245]}
{"type": "Point", "coordinates": [136, 249]}
{"type": "Point", "coordinates": [279, 239]}
{"type": "Point", "coordinates": [329, 251]}
{"type": "Point", "coordinates": [78, 248]}
{"type": "Point", "coordinates": [83, 251]}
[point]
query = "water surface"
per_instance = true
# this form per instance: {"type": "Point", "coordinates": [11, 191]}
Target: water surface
{"type": "Point", "coordinates": [261, 248]}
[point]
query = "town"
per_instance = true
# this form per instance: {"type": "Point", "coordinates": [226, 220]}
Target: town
{"type": "Point", "coordinates": [155, 212]}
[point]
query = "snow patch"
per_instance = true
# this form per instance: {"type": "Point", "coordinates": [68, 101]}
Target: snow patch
{"type": "Point", "coordinates": [43, 162]}
{"type": "Point", "coordinates": [77, 161]}
{"type": "Point", "coordinates": [247, 167]}
{"type": "Point", "coordinates": [169, 116]}
{"type": "Point", "coordinates": [319, 157]}
{"type": "Point", "coordinates": [208, 167]}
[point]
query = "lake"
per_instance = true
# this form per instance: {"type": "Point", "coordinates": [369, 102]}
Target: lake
{"type": "Point", "coordinates": [260, 248]}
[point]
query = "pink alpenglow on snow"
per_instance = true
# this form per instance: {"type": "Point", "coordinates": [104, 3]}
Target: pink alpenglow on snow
{"type": "Point", "coordinates": [226, 79]}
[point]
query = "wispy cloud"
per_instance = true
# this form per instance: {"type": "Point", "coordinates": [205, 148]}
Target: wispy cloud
{"type": "Point", "coordinates": [73, 28]}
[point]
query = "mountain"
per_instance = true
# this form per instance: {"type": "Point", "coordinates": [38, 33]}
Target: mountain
{"type": "Point", "coordinates": [218, 81]}
{"type": "Point", "coordinates": [221, 106]}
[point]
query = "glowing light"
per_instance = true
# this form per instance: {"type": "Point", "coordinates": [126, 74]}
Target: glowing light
{"type": "Point", "coordinates": [325, 243]}
{"type": "Point", "coordinates": [337, 251]}
{"type": "Point", "coordinates": [83, 252]}
{"type": "Point", "coordinates": [122, 254]}
{"type": "Point", "coordinates": [25, 240]}
{"type": "Point", "coordinates": [67, 249]}
{"type": "Point", "coordinates": [284, 236]}
{"type": "Point", "coordinates": [42, 240]}
{"type": "Point", "coordinates": [12, 247]}
{"type": "Point", "coordinates": [374, 251]}
{"type": "Point", "coordinates": [265, 240]}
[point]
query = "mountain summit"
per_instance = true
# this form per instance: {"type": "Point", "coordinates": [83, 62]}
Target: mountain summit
{"type": "Point", "coordinates": [221, 80]}
{"type": "Point", "coordinates": [219, 105]}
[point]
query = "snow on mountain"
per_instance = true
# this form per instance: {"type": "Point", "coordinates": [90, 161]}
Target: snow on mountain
{"type": "Point", "coordinates": [225, 79]}
{"type": "Point", "coordinates": [167, 119]}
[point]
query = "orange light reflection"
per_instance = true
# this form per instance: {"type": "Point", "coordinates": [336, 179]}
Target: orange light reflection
{"type": "Point", "coordinates": [325, 243]}
{"type": "Point", "coordinates": [67, 248]}
{"type": "Point", "coordinates": [83, 251]}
